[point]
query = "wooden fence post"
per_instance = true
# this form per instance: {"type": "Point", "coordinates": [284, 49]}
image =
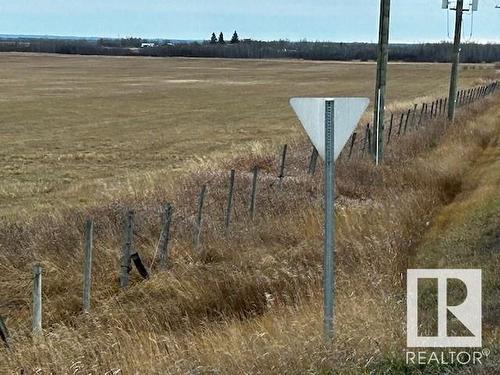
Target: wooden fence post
{"type": "Point", "coordinates": [312, 162]}
{"type": "Point", "coordinates": [87, 264]}
{"type": "Point", "coordinates": [199, 216]}
{"type": "Point", "coordinates": [4, 333]}
{"type": "Point", "coordinates": [229, 208]}
{"type": "Point", "coordinates": [253, 196]}
{"type": "Point", "coordinates": [401, 123]}
{"type": "Point", "coordinates": [390, 128]}
{"type": "Point", "coordinates": [128, 230]}
{"type": "Point", "coordinates": [406, 122]}
{"type": "Point", "coordinates": [414, 115]}
{"type": "Point", "coordinates": [367, 141]}
{"type": "Point", "coordinates": [282, 165]}
{"type": "Point", "coordinates": [421, 115]}
{"type": "Point", "coordinates": [37, 300]}
{"type": "Point", "coordinates": [165, 235]}
{"type": "Point", "coordinates": [353, 139]}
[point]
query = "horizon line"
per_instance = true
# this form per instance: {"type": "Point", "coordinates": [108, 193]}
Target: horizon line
{"type": "Point", "coordinates": [89, 37]}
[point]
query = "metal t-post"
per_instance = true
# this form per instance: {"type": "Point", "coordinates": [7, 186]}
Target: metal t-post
{"type": "Point", "coordinates": [329, 250]}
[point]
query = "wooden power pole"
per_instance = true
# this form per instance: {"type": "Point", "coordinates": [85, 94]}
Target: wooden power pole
{"type": "Point", "coordinates": [383, 56]}
{"type": "Point", "coordinates": [455, 57]}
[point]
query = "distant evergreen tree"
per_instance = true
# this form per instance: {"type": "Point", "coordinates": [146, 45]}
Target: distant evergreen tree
{"type": "Point", "coordinates": [213, 39]}
{"type": "Point", "coordinates": [235, 39]}
{"type": "Point", "coordinates": [221, 38]}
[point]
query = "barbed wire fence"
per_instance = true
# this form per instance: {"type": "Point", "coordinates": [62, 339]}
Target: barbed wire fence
{"type": "Point", "coordinates": [398, 124]}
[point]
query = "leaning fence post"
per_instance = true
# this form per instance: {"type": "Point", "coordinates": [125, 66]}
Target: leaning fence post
{"type": "Point", "coordinates": [199, 216]}
{"type": "Point", "coordinates": [4, 333]}
{"type": "Point", "coordinates": [165, 235]}
{"type": "Point", "coordinates": [128, 230]}
{"type": "Point", "coordinates": [141, 268]}
{"type": "Point", "coordinates": [253, 197]}
{"type": "Point", "coordinates": [353, 139]}
{"type": "Point", "coordinates": [230, 194]}
{"type": "Point", "coordinates": [313, 161]}
{"type": "Point", "coordinates": [87, 264]}
{"type": "Point", "coordinates": [37, 300]}
{"type": "Point", "coordinates": [282, 165]}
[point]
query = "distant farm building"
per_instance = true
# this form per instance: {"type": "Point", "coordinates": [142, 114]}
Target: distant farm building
{"type": "Point", "coordinates": [147, 45]}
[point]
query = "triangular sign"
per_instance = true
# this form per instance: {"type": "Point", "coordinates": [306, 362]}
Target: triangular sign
{"type": "Point", "coordinates": [347, 113]}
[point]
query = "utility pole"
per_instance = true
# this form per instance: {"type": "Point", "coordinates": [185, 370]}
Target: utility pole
{"type": "Point", "coordinates": [383, 57]}
{"type": "Point", "coordinates": [455, 58]}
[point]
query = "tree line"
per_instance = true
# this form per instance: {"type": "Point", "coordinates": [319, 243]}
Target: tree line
{"type": "Point", "coordinates": [236, 48]}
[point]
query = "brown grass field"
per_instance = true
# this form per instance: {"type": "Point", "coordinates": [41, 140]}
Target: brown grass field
{"type": "Point", "coordinates": [80, 130]}
{"type": "Point", "coordinates": [98, 139]}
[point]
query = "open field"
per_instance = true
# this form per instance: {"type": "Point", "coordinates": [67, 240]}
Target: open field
{"type": "Point", "coordinates": [93, 137]}
{"type": "Point", "coordinates": [76, 131]}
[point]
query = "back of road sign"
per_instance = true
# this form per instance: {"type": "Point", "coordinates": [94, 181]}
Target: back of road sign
{"type": "Point", "coordinates": [347, 113]}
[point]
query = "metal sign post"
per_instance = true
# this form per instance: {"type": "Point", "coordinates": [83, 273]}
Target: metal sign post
{"type": "Point", "coordinates": [377, 145]}
{"type": "Point", "coordinates": [329, 123]}
{"type": "Point", "coordinates": [329, 248]}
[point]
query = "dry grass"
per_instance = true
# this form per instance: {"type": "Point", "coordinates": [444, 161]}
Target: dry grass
{"type": "Point", "coordinates": [77, 131]}
{"type": "Point", "coordinates": [248, 303]}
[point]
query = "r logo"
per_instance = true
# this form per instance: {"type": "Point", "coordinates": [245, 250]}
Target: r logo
{"type": "Point", "coordinates": [468, 312]}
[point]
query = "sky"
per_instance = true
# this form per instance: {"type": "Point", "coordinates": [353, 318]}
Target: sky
{"type": "Point", "coordinates": [325, 20]}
